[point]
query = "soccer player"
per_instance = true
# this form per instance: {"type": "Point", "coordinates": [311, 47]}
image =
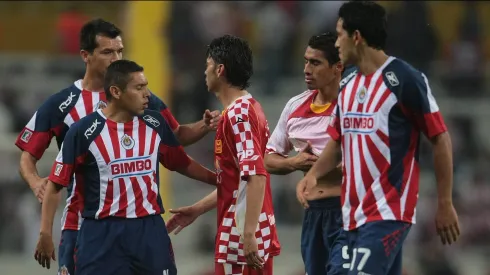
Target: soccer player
{"type": "Point", "coordinates": [114, 154]}
{"type": "Point", "coordinates": [380, 114]}
{"type": "Point", "coordinates": [302, 128]}
{"type": "Point", "coordinates": [101, 44]}
{"type": "Point", "coordinates": [246, 240]}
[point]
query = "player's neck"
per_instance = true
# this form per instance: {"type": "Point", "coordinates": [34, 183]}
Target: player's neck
{"type": "Point", "coordinates": [328, 93]}
{"type": "Point", "coordinates": [229, 94]}
{"type": "Point", "coordinates": [92, 83]}
{"type": "Point", "coordinates": [113, 113]}
{"type": "Point", "coordinates": [370, 60]}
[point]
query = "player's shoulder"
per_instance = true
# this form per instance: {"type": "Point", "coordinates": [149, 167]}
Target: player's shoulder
{"type": "Point", "coordinates": [89, 126]}
{"type": "Point", "coordinates": [63, 100]}
{"type": "Point", "coordinates": [347, 75]}
{"type": "Point", "coordinates": [398, 72]}
{"type": "Point", "coordinates": [153, 118]}
{"type": "Point", "coordinates": [155, 103]}
{"type": "Point", "coordinates": [297, 100]}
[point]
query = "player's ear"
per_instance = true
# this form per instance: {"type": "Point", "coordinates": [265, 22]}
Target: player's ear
{"type": "Point", "coordinates": [339, 67]}
{"type": "Point", "coordinates": [115, 92]}
{"type": "Point", "coordinates": [220, 70]}
{"type": "Point", "coordinates": [84, 54]}
{"type": "Point", "coordinates": [357, 37]}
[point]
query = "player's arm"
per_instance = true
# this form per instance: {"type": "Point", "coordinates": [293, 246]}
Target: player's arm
{"type": "Point", "coordinates": [251, 164]}
{"type": "Point", "coordinates": [173, 157]}
{"type": "Point", "coordinates": [207, 203]}
{"type": "Point", "coordinates": [33, 140]}
{"type": "Point", "coordinates": [186, 134]}
{"type": "Point", "coordinates": [276, 158]}
{"type": "Point", "coordinates": [420, 106]}
{"type": "Point", "coordinates": [61, 173]}
{"type": "Point", "coordinates": [328, 160]}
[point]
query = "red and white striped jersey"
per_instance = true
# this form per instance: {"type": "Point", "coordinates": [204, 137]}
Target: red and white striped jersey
{"type": "Point", "coordinates": [378, 120]}
{"type": "Point", "coordinates": [54, 118]}
{"type": "Point", "coordinates": [240, 143]}
{"type": "Point", "coordinates": [116, 164]}
{"type": "Point", "coordinates": [301, 121]}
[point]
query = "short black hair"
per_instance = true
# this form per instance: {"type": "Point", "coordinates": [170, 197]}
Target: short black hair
{"type": "Point", "coordinates": [93, 28]}
{"type": "Point", "coordinates": [369, 18]}
{"type": "Point", "coordinates": [325, 42]}
{"type": "Point", "coordinates": [236, 55]}
{"type": "Point", "coordinates": [118, 74]}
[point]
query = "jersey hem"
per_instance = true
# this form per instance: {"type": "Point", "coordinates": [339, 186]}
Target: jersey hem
{"type": "Point", "coordinates": [350, 228]}
{"type": "Point", "coordinates": [221, 260]}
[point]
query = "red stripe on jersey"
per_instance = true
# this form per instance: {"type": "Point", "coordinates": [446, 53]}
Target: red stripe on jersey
{"type": "Point", "coordinates": [109, 197]}
{"type": "Point", "coordinates": [375, 90]}
{"type": "Point", "coordinates": [74, 114]}
{"type": "Point", "coordinates": [114, 138]}
{"type": "Point", "coordinates": [123, 198]}
{"type": "Point", "coordinates": [152, 196]}
{"type": "Point", "coordinates": [434, 124]}
{"type": "Point", "coordinates": [142, 137]}
{"type": "Point", "coordinates": [152, 141]}
{"type": "Point", "coordinates": [383, 166]}
{"type": "Point", "coordinates": [384, 138]}
{"type": "Point", "coordinates": [384, 97]}
{"type": "Point", "coordinates": [370, 208]}
{"type": "Point", "coordinates": [87, 102]}
{"type": "Point", "coordinates": [138, 195]}
{"type": "Point", "coordinates": [353, 198]}
{"type": "Point", "coordinates": [410, 178]}
{"type": "Point", "coordinates": [353, 94]}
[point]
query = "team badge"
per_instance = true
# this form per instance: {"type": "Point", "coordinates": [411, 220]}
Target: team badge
{"type": "Point", "coordinates": [63, 271]}
{"type": "Point", "coordinates": [218, 146]}
{"type": "Point", "coordinates": [361, 95]}
{"type": "Point", "coordinates": [127, 142]}
{"type": "Point", "coordinates": [26, 136]}
{"type": "Point", "coordinates": [100, 105]}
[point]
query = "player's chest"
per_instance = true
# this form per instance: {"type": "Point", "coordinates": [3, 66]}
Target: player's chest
{"type": "Point", "coordinates": [364, 106]}
{"type": "Point", "coordinates": [313, 129]}
{"type": "Point", "coordinates": [87, 103]}
{"type": "Point", "coordinates": [126, 153]}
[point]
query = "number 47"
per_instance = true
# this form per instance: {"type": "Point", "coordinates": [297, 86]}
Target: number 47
{"type": "Point", "coordinates": [366, 253]}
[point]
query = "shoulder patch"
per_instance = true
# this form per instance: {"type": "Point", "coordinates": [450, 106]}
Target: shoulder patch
{"type": "Point", "coordinates": [153, 121]}
{"type": "Point", "coordinates": [391, 77]}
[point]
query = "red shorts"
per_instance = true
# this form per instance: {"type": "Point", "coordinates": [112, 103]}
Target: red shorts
{"type": "Point", "coordinates": [236, 269]}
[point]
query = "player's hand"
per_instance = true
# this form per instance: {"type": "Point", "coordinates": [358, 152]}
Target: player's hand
{"type": "Point", "coordinates": [305, 189]}
{"type": "Point", "coordinates": [181, 218]}
{"type": "Point", "coordinates": [447, 224]}
{"type": "Point", "coordinates": [251, 252]}
{"type": "Point", "coordinates": [305, 159]}
{"type": "Point", "coordinates": [211, 119]}
{"type": "Point", "coordinates": [300, 193]}
{"type": "Point", "coordinates": [39, 187]}
{"type": "Point", "coordinates": [45, 250]}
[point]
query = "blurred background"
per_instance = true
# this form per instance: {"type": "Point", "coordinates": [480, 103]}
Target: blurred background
{"type": "Point", "coordinates": [449, 41]}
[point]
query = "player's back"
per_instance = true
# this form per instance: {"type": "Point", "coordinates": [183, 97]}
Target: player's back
{"type": "Point", "coordinates": [382, 115]}
{"type": "Point", "coordinates": [240, 143]}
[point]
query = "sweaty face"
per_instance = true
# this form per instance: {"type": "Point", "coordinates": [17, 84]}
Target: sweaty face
{"type": "Point", "coordinates": [135, 98]}
{"type": "Point", "coordinates": [107, 51]}
{"type": "Point", "coordinates": [345, 44]}
{"type": "Point", "coordinates": [211, 75]}
{"type": "Point", "coordinates": [318, 72]}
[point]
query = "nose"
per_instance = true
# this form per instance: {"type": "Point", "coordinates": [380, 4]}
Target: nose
{"type": "Point", "coordinates": [307, 69]}
{"type": "Point", "coordinates": [116, 56]}
{"type": "Point", "coordinates": [146, 94]}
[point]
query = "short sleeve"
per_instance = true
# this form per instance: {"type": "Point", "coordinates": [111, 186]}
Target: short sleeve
{"type": "Point", "coordinates": [279, 140]}
{"type": "Point", "coordinates": [71, 155]}
{"type": "Point", "coordinates": [418, 102]}
{"type": "Point", "coordinates": [171, 154]}
{"type": "Point", "coordinates": [247, 140]}
{"type": "Point", "coordinates": [333, 128]}
{"type": "Point", "coordinates": [37, 134]}
{"type": "Point", "coordinates": [156, 104]}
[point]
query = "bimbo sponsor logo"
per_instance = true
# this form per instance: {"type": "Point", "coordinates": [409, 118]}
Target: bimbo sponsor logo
{"type": "Point", "coordinates": [131, 167]}
{"type": "Point", "coordinates": [359, 123]}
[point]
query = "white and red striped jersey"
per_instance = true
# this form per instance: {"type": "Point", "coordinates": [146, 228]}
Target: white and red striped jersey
{"type": "Point", "coordinates": [116, 164]}
{"type": "Point", "coordinates": [240, 143]}
{"type": "Point", "coordinates": [378, 120]}
{"type": "Point", "coordinates": [54, 118]}
{"type": "Point", "coordinates": [301, 121]}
